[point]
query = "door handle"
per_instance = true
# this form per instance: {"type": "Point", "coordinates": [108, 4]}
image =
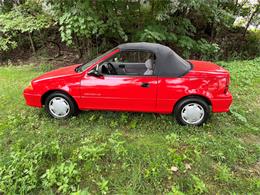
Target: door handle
{"type": "Point", "coordinates": [145, 85]}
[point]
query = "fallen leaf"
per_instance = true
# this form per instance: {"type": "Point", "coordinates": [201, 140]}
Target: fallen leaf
{"type": "Point", "coordinates": [174, 169]}
{"type": "Point", "coordinates": [187, 166]}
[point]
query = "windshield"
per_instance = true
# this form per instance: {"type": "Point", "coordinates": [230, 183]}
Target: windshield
{"type": "Point", "coordinates": [88, 64]}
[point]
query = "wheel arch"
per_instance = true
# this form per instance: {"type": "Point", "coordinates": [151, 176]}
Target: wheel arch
{"type": "Point", "coordinates": [204, 98]}
{"type": "Point", "coordinates": [47, 93]}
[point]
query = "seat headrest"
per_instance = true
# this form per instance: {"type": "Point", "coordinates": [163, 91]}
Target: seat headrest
{"type": "Point", "coordinates": [149, 64]}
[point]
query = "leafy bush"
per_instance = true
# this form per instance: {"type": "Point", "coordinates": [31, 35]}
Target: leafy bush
{"type": "Point", "coordinates": [65, 177]}
{"type": "Point", "coordinates": [199, 186]}
{"type": "Point", "coordinates": [90, 151]}
{"type": "Point", "coordinates": [20, 174]}
{"type": "Point", "coordinates": [45, 67]}
{"type": "Point", "coordinates": [25, 18]}
{"type": "Point", "coordinates": [223, 173]}
{"type": "Point", "coordinates": [197, 29]}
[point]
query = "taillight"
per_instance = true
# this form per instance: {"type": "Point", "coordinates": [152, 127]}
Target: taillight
{"type": "Point", "coordinates": [30, 86]}
{"type": "Point", "coordinates": [227, 84]}
{"type": "Point", "coordinates": [226, 89]}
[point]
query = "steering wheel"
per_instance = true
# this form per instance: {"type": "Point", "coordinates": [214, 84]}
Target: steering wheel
{"type": "Point", "coordinates": [110, 68]}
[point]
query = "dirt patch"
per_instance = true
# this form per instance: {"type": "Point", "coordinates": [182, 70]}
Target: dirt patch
{"type": "Point", "coordinates": [251, 139]}
{"type": "Point", "coordinates": [253, 170]}
{"type": "Point", "coordinates": [256, 168]}
{"type": "Point", "coordinates": [43, 56]}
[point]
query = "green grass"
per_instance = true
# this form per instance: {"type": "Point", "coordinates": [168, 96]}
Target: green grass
{"type": "Point", "coordinates": [130, 153]}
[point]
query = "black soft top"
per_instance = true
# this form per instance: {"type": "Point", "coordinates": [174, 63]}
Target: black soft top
{"type": "Point", "coordinates": [167, 62]}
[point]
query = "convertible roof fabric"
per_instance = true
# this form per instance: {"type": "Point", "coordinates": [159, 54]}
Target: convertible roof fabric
{"type": "Point", "coordinates": [167, 62]}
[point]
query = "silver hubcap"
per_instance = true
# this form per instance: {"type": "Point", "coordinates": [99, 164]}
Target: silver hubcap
{"type": "Point", "coordinates": [192, 113]}
{"type": "Point", "coordinates": [59, 107]}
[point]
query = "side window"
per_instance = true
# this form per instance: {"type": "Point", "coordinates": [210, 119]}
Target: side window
{"type": "Point", "coordinates": [130, 63]}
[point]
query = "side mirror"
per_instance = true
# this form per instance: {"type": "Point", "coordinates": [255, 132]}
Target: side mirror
{"type": "Point", "coordinates": [94, 73]}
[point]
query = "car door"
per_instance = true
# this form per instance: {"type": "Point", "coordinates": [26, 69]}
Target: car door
{"type": "Point", "coordinates": [126, 92]}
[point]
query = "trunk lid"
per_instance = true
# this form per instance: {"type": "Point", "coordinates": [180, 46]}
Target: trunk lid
{"type": "Point", "coordinates": [206, 68]}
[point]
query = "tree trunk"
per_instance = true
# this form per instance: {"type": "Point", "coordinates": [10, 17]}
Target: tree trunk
{"type": "Point", "coordinates": [32, 43]}
{"type": "Point", "coordinates": [250, 20]}
{"type": "Point", "coordinates": [212, 30]}
{"type": "Point", "coordinates": [79, 47]}
{"type": "Point", "coordinates": [140, 15]}
{"type": "Point", "coordinates": [58, 46]}
{"type": "Point", "coordinates": [152, 8]}
{"type": "Point", "coordinates": [236, 7]}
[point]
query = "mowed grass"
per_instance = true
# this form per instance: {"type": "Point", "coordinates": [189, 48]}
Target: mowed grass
{"type": "Point", "coordinates": [130, 153]}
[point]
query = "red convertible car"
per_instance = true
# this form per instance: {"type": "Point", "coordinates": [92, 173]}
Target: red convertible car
{"type": "Point", "coordinates": [139, 77]}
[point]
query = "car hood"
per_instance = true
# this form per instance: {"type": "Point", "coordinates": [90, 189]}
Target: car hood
{"type": "Point", "coordinates": [58, 73]}
{"type": "Point", "coordinates": [206, 68]}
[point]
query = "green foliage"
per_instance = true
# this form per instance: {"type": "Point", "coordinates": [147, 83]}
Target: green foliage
{"type": "Point", "coordinates": [80, 19]}
{"type": "Point", "coordinates": [156, 34]}
{"type": "Point", "coordinates": [223, 173]}
{"type": "Point", "coordinates": [252, 46]}
{"type": "Point", "coordinates": [238, 116]}
{"type": "Point", "coordinates": [194, 28]}
{"type": "Point", "coordinates": [75, 22]}
{"type": "Point", "coordinates": [6, 43]}
{"type": "Point", "coordinates": [172, 139]}
{"type": "Point", "coordinates": [117, 144]}
{"type": "Point", "coordinates": [45, 67]}
{"type": "Point", "coordinates": [129, 153]}
{"type": "Point", "coordinates": [90, 151]}
{"type": "Point", "coordinates": [24, 18]}
{"type": "Point", "coordinates": [206, 49]}
{"type": "Point", "coordinates": [20, 20]}
{"type": "Point", "coordinates": [176, 191]}
{"type": "Point", "coordinates": [21, 174]}
{"type": "Point", "coordinates": [103, 186]}
{"type": "Point", "coordinates": [199, 186]}
{"type": "Point", "coordinates": [64, 177]}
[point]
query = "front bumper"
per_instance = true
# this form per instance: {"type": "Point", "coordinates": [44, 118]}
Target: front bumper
{"type": "Point", "coordinates": [31, 98]}
{"type": "Point", "coordinates": [222, 103]}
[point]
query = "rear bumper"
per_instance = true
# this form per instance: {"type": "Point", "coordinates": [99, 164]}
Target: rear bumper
{"type": "Point", "coordinates": [32, 99]}
{"type": "Point", "coordinates": [222, 103]}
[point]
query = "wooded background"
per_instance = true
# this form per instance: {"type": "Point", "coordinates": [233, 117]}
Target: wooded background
{"type": "Point", "coordinates": [197, 29]}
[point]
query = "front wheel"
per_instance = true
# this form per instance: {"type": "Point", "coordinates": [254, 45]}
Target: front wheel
{"type": "Point", "coordinates": [59, 105]}
{"type": "Point", "coordinates": [192, 111]}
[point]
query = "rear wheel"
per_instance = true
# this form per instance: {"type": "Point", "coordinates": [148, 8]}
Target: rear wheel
{"type": "Point", "coordinates": [192, 111]}
{"type": "Point", "coordinates": [60, 106]}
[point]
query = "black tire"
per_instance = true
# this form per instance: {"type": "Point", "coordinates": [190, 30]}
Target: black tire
{"type": "Point", "coordinates": [72, 110]}
{"type": "Point", "coordinates": [189, 101]}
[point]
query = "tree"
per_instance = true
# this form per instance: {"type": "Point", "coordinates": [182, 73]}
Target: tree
{"type": "Point", "coordinates": [22, 19]}
{"type": "Point", "coordinates": [254, 13]}
{"type": "Point", "coordinates": [194, 28]}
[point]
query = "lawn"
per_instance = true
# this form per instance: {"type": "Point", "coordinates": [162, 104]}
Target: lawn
{"type": "Point", "coordinates": [129, 153]}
